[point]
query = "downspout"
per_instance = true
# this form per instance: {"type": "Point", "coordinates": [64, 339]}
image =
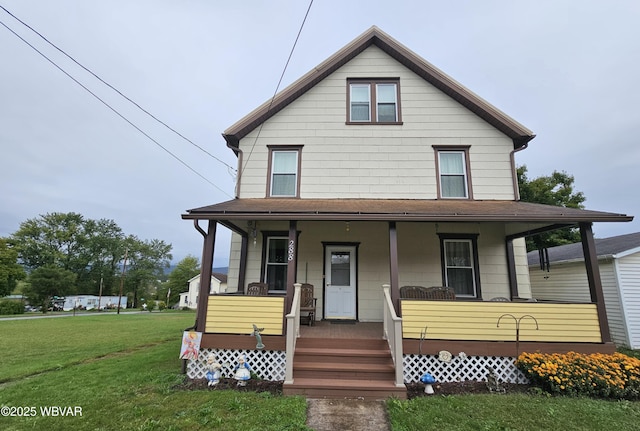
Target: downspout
{"type": "Point", "coordinates": [512, 157]}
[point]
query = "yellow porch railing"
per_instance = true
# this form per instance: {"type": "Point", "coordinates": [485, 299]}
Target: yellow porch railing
{"type": "Point", "coordinates": [477, 321]}
{"type": "Point", "coordinates": [236, 314]}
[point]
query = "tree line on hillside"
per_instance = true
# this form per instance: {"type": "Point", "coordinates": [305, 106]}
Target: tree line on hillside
{"type": "Point", "coordinates": [59, 254]}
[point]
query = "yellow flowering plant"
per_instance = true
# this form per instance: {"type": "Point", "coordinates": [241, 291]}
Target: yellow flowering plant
{"type": "Point", "coordinates": [598, 375]}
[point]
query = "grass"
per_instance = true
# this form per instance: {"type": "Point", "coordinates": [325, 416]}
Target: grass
{"type": "Point", "coordinates": [133, 389]}
{"type": "Point", "coordinates": [38, 345]}
{"type": "Point", "coordinates": [512, 412]}
{"type": "Point", "coordinates": [123, 372]}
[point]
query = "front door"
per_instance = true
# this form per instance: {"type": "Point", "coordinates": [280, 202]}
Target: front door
{"type": "Point", "coordinates": [340, 282]}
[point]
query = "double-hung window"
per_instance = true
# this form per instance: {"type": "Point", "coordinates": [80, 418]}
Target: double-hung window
{"type": "Point", "coordinates": [453, 175]}
{"type": "Point", "coordinates": [275, 263]}
{"type": "Point", "coordinates": [284, 172]}
{"type": "Point", "coordinates": [460, 264]}
{"type": "Point", "coordinates": [373, 101]}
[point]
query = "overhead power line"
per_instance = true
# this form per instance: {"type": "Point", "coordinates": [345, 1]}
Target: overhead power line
{"type": "Point", "coordinates": [116, 90]}
{"type": "Point", "coordinates": [112, 108]}
{"type": "Point", "coordinates": [255, 141]}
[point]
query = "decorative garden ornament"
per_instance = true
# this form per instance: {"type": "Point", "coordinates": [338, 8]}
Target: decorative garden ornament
{"type": "Point", "coordinates": [445, 356]}
{"type": "Point", "coordinates": [213, 371]}
{"type": "Point", "coordinates": [428, 381]}
{"type": "Point", "coordinates": [242, 371]}
{"type": "Point", "coordinates": [256, 332]}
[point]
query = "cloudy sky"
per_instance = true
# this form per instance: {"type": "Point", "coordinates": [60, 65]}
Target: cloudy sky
{"type": "Point", "coordinates": [567, 70]}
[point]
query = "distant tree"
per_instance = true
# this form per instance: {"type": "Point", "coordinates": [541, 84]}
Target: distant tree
{"type": "Point", "coordinates": [146, 263]}
{"type": "Point", "coordinates": [94, 251]}
{"type": "Point", "coordinates": [557, 190]}
{"type": "Point", "coordinates": [10, 270]}
{"type": "Point", "coordinates": [185, 270]}
{"type": "Point", "coordinates": [47, 281]}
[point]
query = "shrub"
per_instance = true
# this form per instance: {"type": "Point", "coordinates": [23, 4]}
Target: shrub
{"type": "Point", "coordinates": [597, 375]}
{"type": "Point", "coordinates": [162, 306]}
{"type": "Point", "coordinates": [11, 307]}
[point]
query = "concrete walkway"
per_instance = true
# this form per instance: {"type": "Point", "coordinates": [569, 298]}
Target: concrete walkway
{"type": "Point", "coordinates": [347, 415]}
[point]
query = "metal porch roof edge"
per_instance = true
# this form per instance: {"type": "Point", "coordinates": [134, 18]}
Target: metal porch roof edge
{"type": "Point", "coordinates": [397, 209]}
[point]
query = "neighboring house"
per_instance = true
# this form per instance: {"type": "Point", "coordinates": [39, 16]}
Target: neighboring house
{"type": "Point", "coordinates": [564, 279]}
{"type": "Point", "coordinates": [190, 298]}
{"type": "Point", "coordinates": [90, 302]}
{"type": "Point", "coordinates": [374, 171]}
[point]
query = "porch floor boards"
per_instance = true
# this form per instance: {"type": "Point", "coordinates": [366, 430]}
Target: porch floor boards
{"type": "Point", "coordinates": [343, 361]}
{"type": "Point", "coordinates": [358, 330]}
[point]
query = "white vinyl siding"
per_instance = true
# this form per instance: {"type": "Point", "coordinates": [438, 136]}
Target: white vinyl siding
{"type": "Point", "coordinates": [628, 272]}
{"type": "Point", "coordinates": [378, 161]}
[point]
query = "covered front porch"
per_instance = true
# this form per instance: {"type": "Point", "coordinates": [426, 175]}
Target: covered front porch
{"type": "Point", "coordinates": [395, 243]}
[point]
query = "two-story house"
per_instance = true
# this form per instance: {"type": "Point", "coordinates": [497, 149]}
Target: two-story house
{"type": "Point", "coordinates": [375, 171]}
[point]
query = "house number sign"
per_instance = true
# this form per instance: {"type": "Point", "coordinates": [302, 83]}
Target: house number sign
{"type": "Point", "coordinates": [292, 249]}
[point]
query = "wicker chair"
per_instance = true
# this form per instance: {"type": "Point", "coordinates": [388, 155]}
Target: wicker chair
{"type": "Point", "coordinates": [435, 293]}
{"type": "Point", "coordinates": [308, 302]}
{"type": "Point", "coordinates": [257, 289]}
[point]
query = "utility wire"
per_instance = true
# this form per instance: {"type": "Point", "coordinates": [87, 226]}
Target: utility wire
{"type": "Point", "coordinates": [113, 109]}
{"type": "Point", "coordinates": [116, 90]}
{"type": "Point", "coordinates": [277, 87]}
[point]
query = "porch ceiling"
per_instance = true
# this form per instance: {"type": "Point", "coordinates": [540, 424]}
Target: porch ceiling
{"type": "Point", "coordinates": [399, 210]}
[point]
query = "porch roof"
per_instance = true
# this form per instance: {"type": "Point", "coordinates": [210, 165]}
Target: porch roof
{"type": "Point", "coordinates": [398, 210]}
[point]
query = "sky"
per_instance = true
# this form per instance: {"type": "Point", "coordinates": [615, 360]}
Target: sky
{"type": "Point", "coordinates": [567, 70]}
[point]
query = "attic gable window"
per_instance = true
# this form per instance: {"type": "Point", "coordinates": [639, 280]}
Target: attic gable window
{"type": "Point", "coordinates": [284, 171]}
{"type": "Point", "coordinates": [373, 101]}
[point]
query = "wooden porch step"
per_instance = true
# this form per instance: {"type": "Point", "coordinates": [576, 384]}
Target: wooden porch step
{"type": "Point", "coordinates": [333, 355]}
{"type": "Point", "coordinates": [343, 368]}
{"type": "Point", "coordinates": [354, 371]}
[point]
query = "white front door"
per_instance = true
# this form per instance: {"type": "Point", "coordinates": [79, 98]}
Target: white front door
{"type": "Point", "coordinates": [340, 279]}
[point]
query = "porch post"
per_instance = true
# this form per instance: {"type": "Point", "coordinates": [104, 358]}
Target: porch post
{"type": "Point", "coordinates": [593, 275]}
{"type": "Point", "coordinates": [393, 267]}
{"type": "Point", "coordinates": [511, 269]}
{"type": "Point", "coordinates": [242, 270]}
{"type": "Point", "coordinates": [205, 275]}
{"type": "Point", "coordinates": [292, 252]}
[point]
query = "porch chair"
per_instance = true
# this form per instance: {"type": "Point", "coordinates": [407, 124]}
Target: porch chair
{"type": "Point", "coordinates": [440, 293]}
{"type": "Point", "coordinates": [412, 292]}
{"type": "Point", "coordinates": [500, 299]}
{"type": "Point", "coordinates": [308, 302]}
{"type": "Point", "coordinates": [257, 289]}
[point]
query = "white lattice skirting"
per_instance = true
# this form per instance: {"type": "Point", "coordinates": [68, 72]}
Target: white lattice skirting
{"type": "Point", "coordinates": [270, 365]}
{"type": "Point", "coordinates": [461, 369]}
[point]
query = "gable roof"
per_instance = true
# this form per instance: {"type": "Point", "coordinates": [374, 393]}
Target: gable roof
{"type": "Point", "coordinates": [612, 246]}
{"type": "Point", "coordinates": [374, 36]}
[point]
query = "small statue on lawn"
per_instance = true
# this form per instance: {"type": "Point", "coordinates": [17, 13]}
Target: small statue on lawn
{"type": "Point", "coordinates": [493, 384]}
{"type": "Point", "coordinates": [213, 371]}
{"type": "Point", "coordinates": [242, 371]}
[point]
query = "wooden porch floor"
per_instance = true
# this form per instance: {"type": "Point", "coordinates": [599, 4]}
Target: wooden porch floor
{"type": "Point", "coordinates": [357, 330]}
